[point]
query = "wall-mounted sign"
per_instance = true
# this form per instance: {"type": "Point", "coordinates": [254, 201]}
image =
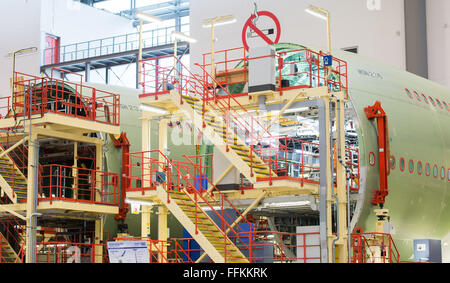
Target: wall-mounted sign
{"type": "Point", "coordinates": [266, 34]}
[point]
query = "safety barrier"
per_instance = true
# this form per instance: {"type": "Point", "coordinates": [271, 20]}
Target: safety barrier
{"type": "Point", "coordinates": [69, 252]}
{"type": "Point", "coordinates": [110, 45]}
{"type": "Point", "coordinates": [258, 246]}
{"type": "Point", "coordinates": [59, 182]}
{"type": "Point", "coordinates": [190, 178]}
{"type": "Point", "coordinates": [299, 68]}
{"type": "Point", "coordinates": [36, 95]}
{"type": "Point", "coordinates": [373, 248]}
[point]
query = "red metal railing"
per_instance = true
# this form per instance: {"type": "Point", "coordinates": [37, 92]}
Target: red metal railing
{"type": "Point", "coordinates": [288, 63]}
{"type": "Point", "coordinates": [373, 248]}
{"type": "Point", "coordinates": [219, 104]}
{"type": "Point", "coordinates": [189, 177]}
{"type": "Point", "coordinates": [258, 246]}
{"type": "Point", "coordinates": [68, 252]}
{"type": "Point", "coordinates": [291, 158]}
{"type": "Point", "coordinates": [36, 95]}
{"type": "Point", "coordinates": [14, 178]}
{"type": "Point", "coordinates": [59, 182]}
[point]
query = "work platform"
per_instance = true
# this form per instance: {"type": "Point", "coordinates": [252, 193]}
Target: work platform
{"type": "Point", "coordinates": [240, 124]}
{"type": "Point", "coordinates": [51, 161]}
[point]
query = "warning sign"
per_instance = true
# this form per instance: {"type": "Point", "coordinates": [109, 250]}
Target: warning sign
{"type": "Point", "coordinates": [270, 35]}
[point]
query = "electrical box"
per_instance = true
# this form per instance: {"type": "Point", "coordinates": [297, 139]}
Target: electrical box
{"type": "Point", "coordinates": [261, 69]}
{"type": "Point", "coordinates": [427, 250]}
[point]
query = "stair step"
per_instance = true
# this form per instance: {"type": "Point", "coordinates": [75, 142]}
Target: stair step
{"type": "Point", "coordinates": [254, 161]}
{"type": "Point", "coordinates": [240, 148]}
{"type": "Point", "coordinates": [263, 173]}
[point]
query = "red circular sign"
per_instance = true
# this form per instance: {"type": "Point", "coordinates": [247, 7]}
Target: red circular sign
{"type": "Point", "coordinates": [250, 25]}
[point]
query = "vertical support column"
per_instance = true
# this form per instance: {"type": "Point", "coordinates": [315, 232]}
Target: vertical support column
{"type": "Point", "coordinates": [342, 243]}
{"type": "Point", "coordinates": [98, 175]}
{"type": "Point", "coordinates": [107, 74]}
{"type": "Point", "coordinates": [87, 72]}
{"type": "Point", "coordinates": [31, 208]}
{"type": "Point", "coordinates": [325, 181]}
{"type": "Point", "coordinates": [98, 257]}
{"type": "Point", "coordinates": [163, 137]}
{"type": "Point", "coordinates": [146, 212]}
{"type": "Point", "coordinates": [145, 146]}
{"type": "Point", "coordinates": [162, 231]}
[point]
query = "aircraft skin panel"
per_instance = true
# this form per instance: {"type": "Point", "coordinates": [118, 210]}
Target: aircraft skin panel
{"type": "Point", "coordinates": [418, 132]}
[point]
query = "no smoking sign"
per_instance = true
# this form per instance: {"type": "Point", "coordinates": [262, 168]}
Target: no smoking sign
{"type": "Point", "coordinates": [270, 36]}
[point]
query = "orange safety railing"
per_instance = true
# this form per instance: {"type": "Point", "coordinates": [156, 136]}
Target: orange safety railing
{"type": "Point", "coordinates": [35, 95]}
{"type": "Point", "coordinates": [59, 182]}
{"type": "Point", "coordinates": [291, 158]}
{"type": "Point", "coordinates": [373, 248]}
{"type": "Point", "coordinates": [10, 174]}
{"type": "Point", "coordinates": [236, 120]}
{"type": "Point", "coordinates": [258, 246]}
{"type": "Point", "coordinates": [190, 177]}
{"type": "Point", "coordinates": [68, 252]}
{"type": "Point", "coordinates": [236, 60]}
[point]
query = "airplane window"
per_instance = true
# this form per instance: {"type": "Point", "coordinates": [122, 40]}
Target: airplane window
{"type": "Point", "coordinates": [428, 169]}
{"type": "Point", "coordinates": [392, 162]}
{"type": "Point", "coordinates": [408, 93]}
{"type": "Point", "coordinates": [417, 96]}
{"type": "Point", "coordinates": [435, 171]}
{"type": "Point", "coordinates": [419, 168]}
{"type": "Point", "coordinates": [402, 164]}
{"type": "Point", "coordinates": [411, 166]}
{"type": "Point", "coordinates": [442, 173]}
{"type": "Point", "coordinates": [448, 175]}
{"type": "Point", "coordinates": [439, 103]}
{"type": "Point", "coordinates": [424, 98]}
{"type": "Point", "coordinates": [431, 100]}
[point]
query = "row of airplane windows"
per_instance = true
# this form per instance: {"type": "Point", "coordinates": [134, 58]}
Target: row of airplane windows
{"type": "Point", "coordinates": [422, 97]}
{"type": "Point", "coordinates": [418, 167]}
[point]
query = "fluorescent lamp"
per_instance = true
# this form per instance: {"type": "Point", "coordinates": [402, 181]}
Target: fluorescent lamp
{"type": "Point", "coordinates": [296, 110]}
{"type": "Point", "coordinates": [140, 202]}
{"type": "Point", "coordinates": [182, 36]}
{"type": "Point", "coordinates": [152, 109]}
{"type": "Point", "coordinates": [315, 12]}
{"type": "Point", "coordinates": [148, 18]}
{"type": "Point", "coordinates": [288, 204]}
{"type": "Point", "coordinates": [219, 21]}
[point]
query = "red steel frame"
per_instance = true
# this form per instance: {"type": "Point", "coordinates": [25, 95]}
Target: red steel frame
{"type": "Point", "coordinates": [89, 186]}
{"type": "Point", "coordinates": [257, 240]}
{"type": "Point", "coordinates": [363, 244]}
{"type": "Point", "coordinates": [187, 176]}
{"type": "Point", "coordinates": [377, 112]}
{"type": "Point", "coordinates": [36, 95]}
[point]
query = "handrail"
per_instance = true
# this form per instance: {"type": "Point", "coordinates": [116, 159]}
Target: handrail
{"type": "Point", "coordinates": [195, 196]}
{"type": "Point", "coordinates": [110, 45]}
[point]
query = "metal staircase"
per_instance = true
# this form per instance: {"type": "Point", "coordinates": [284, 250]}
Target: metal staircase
{"type": "Point", "coordinates": [12, 180]}
{"type": "Point", "coordinates": [204, 230]}
{"type": "Point", "coordinates": [7, 253]}
{"type": "Point", "coordinates": [208, 216]}
{"type": "Point", "coordinates": [227, 141]}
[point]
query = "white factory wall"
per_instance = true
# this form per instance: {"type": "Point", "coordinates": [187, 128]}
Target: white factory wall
{"type": "Point", "coordinates": [375, 26]}
{"type": "Point", "coordinates": [438, 34]}
{"type": "Point", "coordinates": [77, 22]}
{"type": "Point", "coordinates": [20, 29]}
